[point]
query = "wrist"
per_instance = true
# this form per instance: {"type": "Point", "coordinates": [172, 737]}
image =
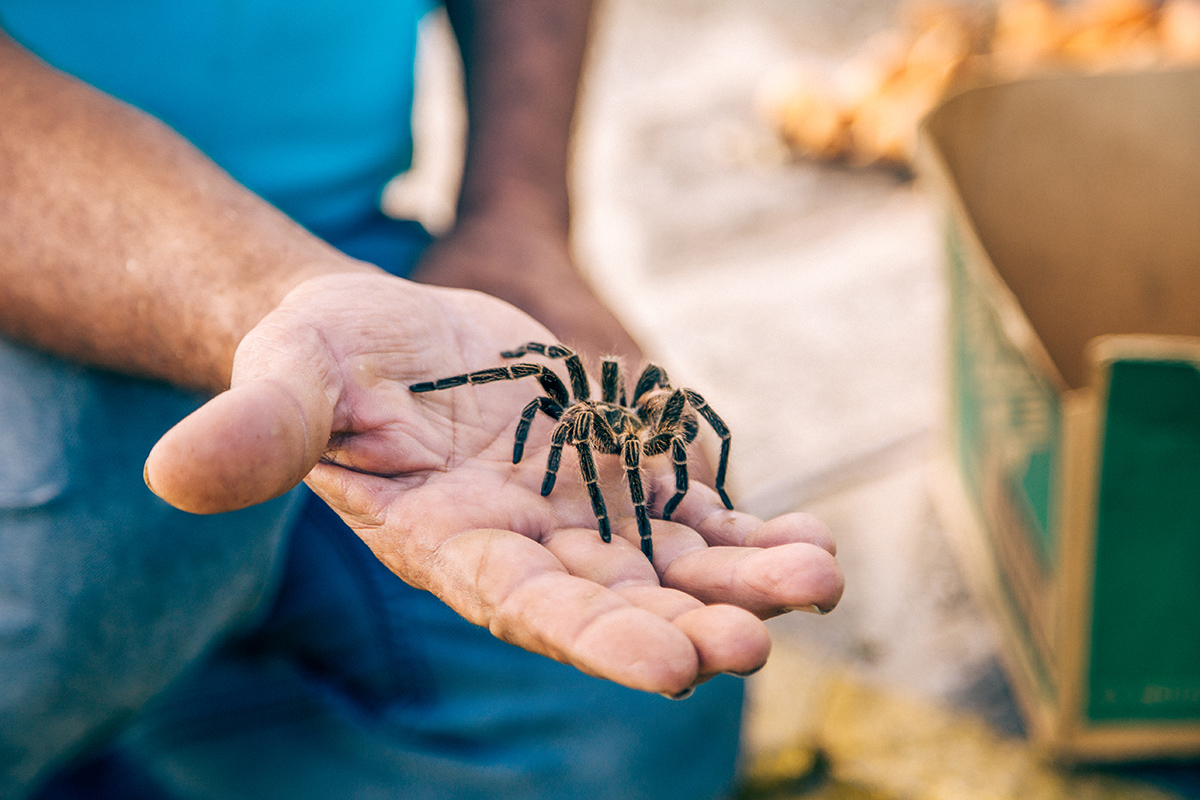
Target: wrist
{"type": "Point", "coordinates": [254, 299]}
{"type": "Point", "coordinates": [520, 204]}
{"type": "Point", "coordinates": [506, 250]}
{"type": "Point", "coordinates": [520, 258]}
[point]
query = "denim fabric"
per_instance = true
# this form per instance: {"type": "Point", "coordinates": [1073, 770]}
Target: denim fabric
{"type": "Point", "coordinates": [304, 670]}
{"type": "Point", "coordinates": [358, 686]}
{"type": "Point", "coordinates": [106, 592]}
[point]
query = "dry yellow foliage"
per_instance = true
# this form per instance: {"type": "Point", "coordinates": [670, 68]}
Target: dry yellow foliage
{"type": "Point", "coordinates": [866, 111]}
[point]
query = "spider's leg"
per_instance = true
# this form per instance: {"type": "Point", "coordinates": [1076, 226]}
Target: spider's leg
{"type": "Point", "coordinates": [557, 439]}
{"type": "Point", "coordinates": [652, 377]}
{"type": "Point", "coordinates": [441, 383]}
{"type": "Point", "coordinates": [546, 377]}
{"type": "Point", "coordinates": [676, 427]}
{"type": "Point", "coordinates": [612, 388]}
{"type": "Point", "coordinates": [528, 347]}
{"type": "Point", "coordinates": [679, 460]}
{"type": "Point", "coordinates": [587, 466]}
{"type": "Point", "coordinates": [632, 456]}
{"type": "Point", "coordinates": [604, 436]}
{"type": "Point", "coordinates": [668, 420]}
{"type": "Point", "coordinates": [552, 409]}
{"type": "Point", "coordinates": [579, 381]}
{"type": "Point", "coordinates": [691, 428]}
{"type": "Point", "coordinates": [722, 430]}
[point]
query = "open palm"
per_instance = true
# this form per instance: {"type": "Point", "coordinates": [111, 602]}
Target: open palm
{"type": "Point", "coordinates": [320, 392]}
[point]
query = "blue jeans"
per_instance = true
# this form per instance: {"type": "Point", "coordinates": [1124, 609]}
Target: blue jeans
{"type": "Point", "coordinates": [148, 653]}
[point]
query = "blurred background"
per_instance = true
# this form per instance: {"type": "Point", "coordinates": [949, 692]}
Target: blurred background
{"type": "Point", "coordinates": [794, 275]}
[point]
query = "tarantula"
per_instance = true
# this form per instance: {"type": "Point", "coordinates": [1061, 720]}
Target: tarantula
{"type": "Point", "coordinates": [661, 418]}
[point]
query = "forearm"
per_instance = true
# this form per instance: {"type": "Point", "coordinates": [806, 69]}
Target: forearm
{"type": "Point", "coordinates": [123, 246]}
{"type": "Point", "coordinates": [523, 61]}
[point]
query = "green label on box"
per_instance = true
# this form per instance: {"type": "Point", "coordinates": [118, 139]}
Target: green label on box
{"type": "Point", "coordinates": [1008, 421]}
{"type": "Point", "coordinates": [1145, 658]}
{"type": "Point", "coordinates": [1008, 413]}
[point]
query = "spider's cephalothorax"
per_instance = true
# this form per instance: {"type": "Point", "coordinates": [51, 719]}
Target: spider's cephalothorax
{"type": "Point", "coordinates": [661, 419]}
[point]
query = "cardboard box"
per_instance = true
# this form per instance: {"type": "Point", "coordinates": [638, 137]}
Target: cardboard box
{"type": "Point", "coordinates": [1071, 485]}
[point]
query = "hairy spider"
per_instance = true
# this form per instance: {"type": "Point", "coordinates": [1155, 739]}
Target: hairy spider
{"type": "Point", "coordinates": [661, 418]}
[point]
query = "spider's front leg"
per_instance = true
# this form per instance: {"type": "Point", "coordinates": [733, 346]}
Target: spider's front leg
{"type": "Point", "coordinates": [674, 432]}
{"type": "Point", "coordinates": [612, 386]}
{"type": "Point", "coordinates": [579, 381]}
{"type": "Point", "coordinates": [721, 429]}
{"type": "Point", "coordinates": [545, 404]}
{"type": "Point", "coordinates": [549, 381]}
{"type": "Point", "coordinates": [578, 428]}
{"type": "Point", "coordinates": [679, 458]}
{"type": "Point", "coordinates": [679, 461]}
{"type": "Point", "coordinates": [558, 439]}
{"type": "Point", "coordinates": [631, 455]}
{"type": "Point", "coordinates": [652, 377]}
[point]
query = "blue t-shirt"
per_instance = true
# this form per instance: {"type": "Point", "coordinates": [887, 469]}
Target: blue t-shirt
{"type": "Point", "coordinates": [305, 102]}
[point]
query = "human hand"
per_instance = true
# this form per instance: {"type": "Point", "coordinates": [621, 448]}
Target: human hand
{"type": "Point", "coordinates": [522, 258]}
{"type": "Point", "coordinates": [320, 389]}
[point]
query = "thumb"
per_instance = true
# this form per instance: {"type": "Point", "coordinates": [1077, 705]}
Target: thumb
{"type": "Point", "coordinates": [245, 446]}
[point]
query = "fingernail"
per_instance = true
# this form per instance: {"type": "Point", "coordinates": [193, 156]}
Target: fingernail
{"type": "Point", "coordinates": [146, 476]}
{"type": "Point", "coordinates": [748, 674]}
{"type": "Point", "coordinates": [809, 609]}
{"type": "Point", "coordinates": [685, 694]}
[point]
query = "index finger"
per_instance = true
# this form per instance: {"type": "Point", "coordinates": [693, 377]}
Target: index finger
{"type": "Point", "coordinates": [518, 590]}
{"type": "Point", "coordinates": [726, 638]}
{"type": "Point", "coordinates": [702, 511]}
{"type": "Point", "coordinates": [781, 565]}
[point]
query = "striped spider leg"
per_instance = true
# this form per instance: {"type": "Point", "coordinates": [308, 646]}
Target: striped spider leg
{"type": "Point", "coordinates": [722, 430]}
{"type": "Point", "coordinates": [552, 404]}
{"type": "Point", "coordinates": [578, 427]}
{"type": "Point", "coordinates": [631, 456]}
{"type": "Point", "coordinates": [612, 387]}
{"type": "Point", "coordinates": [675, 427]}
{"type": "Point", "coordinates": [579, 381]}
{"type": "Point", "coordinates": [612, 384]}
